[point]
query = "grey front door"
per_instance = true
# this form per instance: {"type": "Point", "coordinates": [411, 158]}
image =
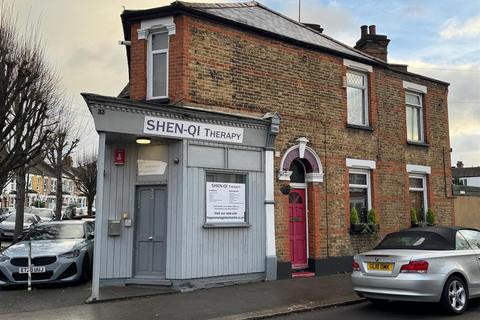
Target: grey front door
{"type": "Point", "coordinates": [151, 231]}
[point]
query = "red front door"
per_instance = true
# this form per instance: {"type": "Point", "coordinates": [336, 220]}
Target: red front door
{"type": "Point", "coordinates": [298, 228]}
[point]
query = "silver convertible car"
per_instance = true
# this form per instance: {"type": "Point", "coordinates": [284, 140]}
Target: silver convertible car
{"type": "Point", "coordinates": [432, 264]}
{"type": "Point", "coordinates": [61, 251]}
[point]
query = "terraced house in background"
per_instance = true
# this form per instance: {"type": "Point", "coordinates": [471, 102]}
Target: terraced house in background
{"type": "Point", "coordinates": [243, 141]}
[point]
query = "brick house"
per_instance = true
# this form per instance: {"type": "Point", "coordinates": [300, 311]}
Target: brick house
{"type": "Point", "coordinates": [355, 131]}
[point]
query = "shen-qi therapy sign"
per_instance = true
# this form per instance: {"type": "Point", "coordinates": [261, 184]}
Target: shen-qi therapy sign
{"type": "Point", "coordinates": [225, 202]}
{"type": "Point", "coordinates": [192, 130]}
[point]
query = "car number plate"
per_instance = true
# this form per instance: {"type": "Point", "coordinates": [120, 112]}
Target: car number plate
{"type": "Point", "coordinates": [32, 269]}
{"type": "Point", "coordinates": [379, 266]}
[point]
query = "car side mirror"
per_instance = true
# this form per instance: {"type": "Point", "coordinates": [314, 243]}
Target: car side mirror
{"type": "Point", "coordinates": [91, 235]}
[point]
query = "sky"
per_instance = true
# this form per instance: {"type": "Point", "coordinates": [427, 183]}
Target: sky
{"type": "Point", "coordinates": [439, 39]}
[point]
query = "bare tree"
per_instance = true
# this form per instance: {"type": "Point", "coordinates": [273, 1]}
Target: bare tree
{"type": "Point", "coordinates": [62, 143]}
{"type": "Point", "coordinates": [28, 89]}
{"type": "Point", "coordinates": [86, 179]}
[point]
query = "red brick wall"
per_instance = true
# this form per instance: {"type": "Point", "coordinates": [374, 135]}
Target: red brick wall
{"type": "Point", "coordinates": [218, 66]}
{"type": "Point", "coordinates": [138, 65]}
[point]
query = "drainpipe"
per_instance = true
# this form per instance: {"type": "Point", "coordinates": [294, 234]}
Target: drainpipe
{"type": "Point", "coordinates": [326, 189]}
{"type": "Point", "coordinates": [445, 176]}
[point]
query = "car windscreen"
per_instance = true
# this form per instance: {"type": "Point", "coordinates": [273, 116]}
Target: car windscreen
{"type": "Point", "coordinates": [57, 231]}
{"type": "Point", "coordinates": [415, 240]}
{"type": "Point", "coordinates": [26, 219]}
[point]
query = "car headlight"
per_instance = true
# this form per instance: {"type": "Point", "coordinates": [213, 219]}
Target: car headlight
{"type": "Point", "coordinates": [71, 254]}
{"type": "Point", "coordinates": [4, 258]}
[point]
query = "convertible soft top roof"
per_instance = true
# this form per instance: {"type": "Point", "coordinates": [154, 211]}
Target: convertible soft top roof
{"type": "Point", "coordinates": [438, 238]}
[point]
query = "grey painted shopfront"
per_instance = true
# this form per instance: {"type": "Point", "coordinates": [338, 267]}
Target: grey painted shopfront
{"type": "Point", "coordinates": [192, 208]}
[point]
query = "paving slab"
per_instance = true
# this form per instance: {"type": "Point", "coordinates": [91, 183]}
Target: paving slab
{"type": "Point", "coordinates": [246, 301]}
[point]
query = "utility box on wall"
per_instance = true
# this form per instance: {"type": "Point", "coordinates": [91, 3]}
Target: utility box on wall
{"type": "Point", "coordinates": [114, 227]}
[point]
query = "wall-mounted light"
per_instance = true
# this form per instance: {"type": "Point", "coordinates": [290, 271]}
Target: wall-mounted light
{"type": "Point", "coordinates": [144, 140]}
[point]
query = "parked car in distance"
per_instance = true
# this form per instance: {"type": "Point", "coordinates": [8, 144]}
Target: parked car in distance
{"type": "Point", "coordinates": [62, 251]}
{"type": "Point", "coordinates": [431, 264]}
{"type": "Point", "coordinates": [7, 227]}
{"type": "Point", "coordinates": [6, 212]}
{"type": "Point", "coordinates": [45, 214]}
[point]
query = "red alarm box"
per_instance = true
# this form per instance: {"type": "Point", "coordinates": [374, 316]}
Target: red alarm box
{"type": "Point", "coordinates": [119, 156]}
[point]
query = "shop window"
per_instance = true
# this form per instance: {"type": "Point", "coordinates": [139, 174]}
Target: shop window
{"type": "Point", "coordinates": [357, 98]}
{"type": "Point", "coordinates": [418, 195]}
{"type": "Point", "coordinates": [158, 65]}
{"type": "Point", "coordinates": [360, 192]}
{"type": "Point", "coordinates": [226, 200]}
{"type": "Point", "coordinates": [414, 114]}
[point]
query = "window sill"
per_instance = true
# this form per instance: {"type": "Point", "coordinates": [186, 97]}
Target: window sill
{"type": "Point", "coordinates": [158, 100]}
{"type": "Point", "coordinates": [356, 126]}
{"type": "Point", "coordinates": [226, 225]}
{"type": "Point", "coordinates": [418, 144]}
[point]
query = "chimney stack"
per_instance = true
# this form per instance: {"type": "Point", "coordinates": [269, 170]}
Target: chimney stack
{"type": "Point", "coordinates": [459, 164]}
{"type": "Point", "coordinates": [372, 43]}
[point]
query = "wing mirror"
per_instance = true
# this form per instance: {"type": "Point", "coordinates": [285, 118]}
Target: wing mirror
{"type": "Point", "coordinates": [91, 235]}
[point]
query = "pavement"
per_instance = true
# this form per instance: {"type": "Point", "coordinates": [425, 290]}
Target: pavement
{"type": "Point", "coordinates": [237, 302]}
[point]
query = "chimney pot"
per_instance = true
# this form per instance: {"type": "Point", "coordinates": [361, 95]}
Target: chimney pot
{"type": "Point", "coordinates": [372, 43]}
{"type": "Point", "coordinates": [364, 31]}
{"type": "Point", "coordinates": [459, 164]}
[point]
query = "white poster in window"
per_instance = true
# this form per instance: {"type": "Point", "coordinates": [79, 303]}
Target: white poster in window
{"type": "Point", "coordinates": [225, 202]}
{"type": "Point", "coordinates": [151, 167]}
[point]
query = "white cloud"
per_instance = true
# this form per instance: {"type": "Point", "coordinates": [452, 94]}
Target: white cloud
{"type": "Point", "coordinates": [452, 28]}
{"type": "Point", "coordinates": [337, 21]}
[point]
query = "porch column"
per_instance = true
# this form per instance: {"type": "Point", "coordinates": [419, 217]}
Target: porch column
{"type": "Point", "coordinates": [271, 255]}
{"type": "Point", "coordinates": [99, 217]}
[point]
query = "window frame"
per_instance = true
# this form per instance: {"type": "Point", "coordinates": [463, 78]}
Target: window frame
{"type": "Point", "coordinates": [423, 189]}
{"type": "Point", "coordinates": [368, 186]}
{"type": "Point", "coordinates": [416, 107]}
{"type": "Point", "coordinates": [150, 54]}
{"type": "Point", "coordinates": [365, 99]}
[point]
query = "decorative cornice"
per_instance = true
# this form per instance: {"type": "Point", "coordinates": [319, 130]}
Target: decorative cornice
{"type": "Point", "coordinates": [177, 115]}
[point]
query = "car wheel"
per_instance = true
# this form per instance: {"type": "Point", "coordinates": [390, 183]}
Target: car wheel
{"type": "Point", "coordinates": [455, 295]}
{"type": "Point", "coordinates": [86, 269]}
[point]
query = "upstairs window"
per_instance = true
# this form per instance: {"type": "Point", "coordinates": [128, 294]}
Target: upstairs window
{"type": "Point", "coordinates": [414, 114]}
{"type": "Point", "coordinates": [158, 65]}
{"type": "Point", "coordinates": [357, 98]}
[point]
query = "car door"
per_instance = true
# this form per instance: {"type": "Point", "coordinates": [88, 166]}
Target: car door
{"type": "Point", "coordinates": [473, 239]}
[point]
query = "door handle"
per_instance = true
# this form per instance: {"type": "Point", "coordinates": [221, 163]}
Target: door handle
{"type": "Point", "coordinates": [150, 238]}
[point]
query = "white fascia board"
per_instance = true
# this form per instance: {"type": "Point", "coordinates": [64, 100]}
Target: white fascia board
{"type": "Point", "coordinates": [149, 26]}
{"type": "Point", "coordinates": [361, 164]}
{"type": "Point", "coordinates": [357, 65]}
{"type": "Point", "coordinates": [414, 87]}
{"type": "Point", "coordinates": [415, 168]}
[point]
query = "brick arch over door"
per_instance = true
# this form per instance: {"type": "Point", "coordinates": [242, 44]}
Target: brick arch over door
{"type": "Point", "coordinates": [311, 161]}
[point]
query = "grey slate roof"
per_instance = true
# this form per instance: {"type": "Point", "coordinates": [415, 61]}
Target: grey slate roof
{"type": "Point", "coordinates": [466, 172]}
{"type": "Point", "coordinates": [465, 190]}
{"type": "Point", "coordinates": [258, 16]}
